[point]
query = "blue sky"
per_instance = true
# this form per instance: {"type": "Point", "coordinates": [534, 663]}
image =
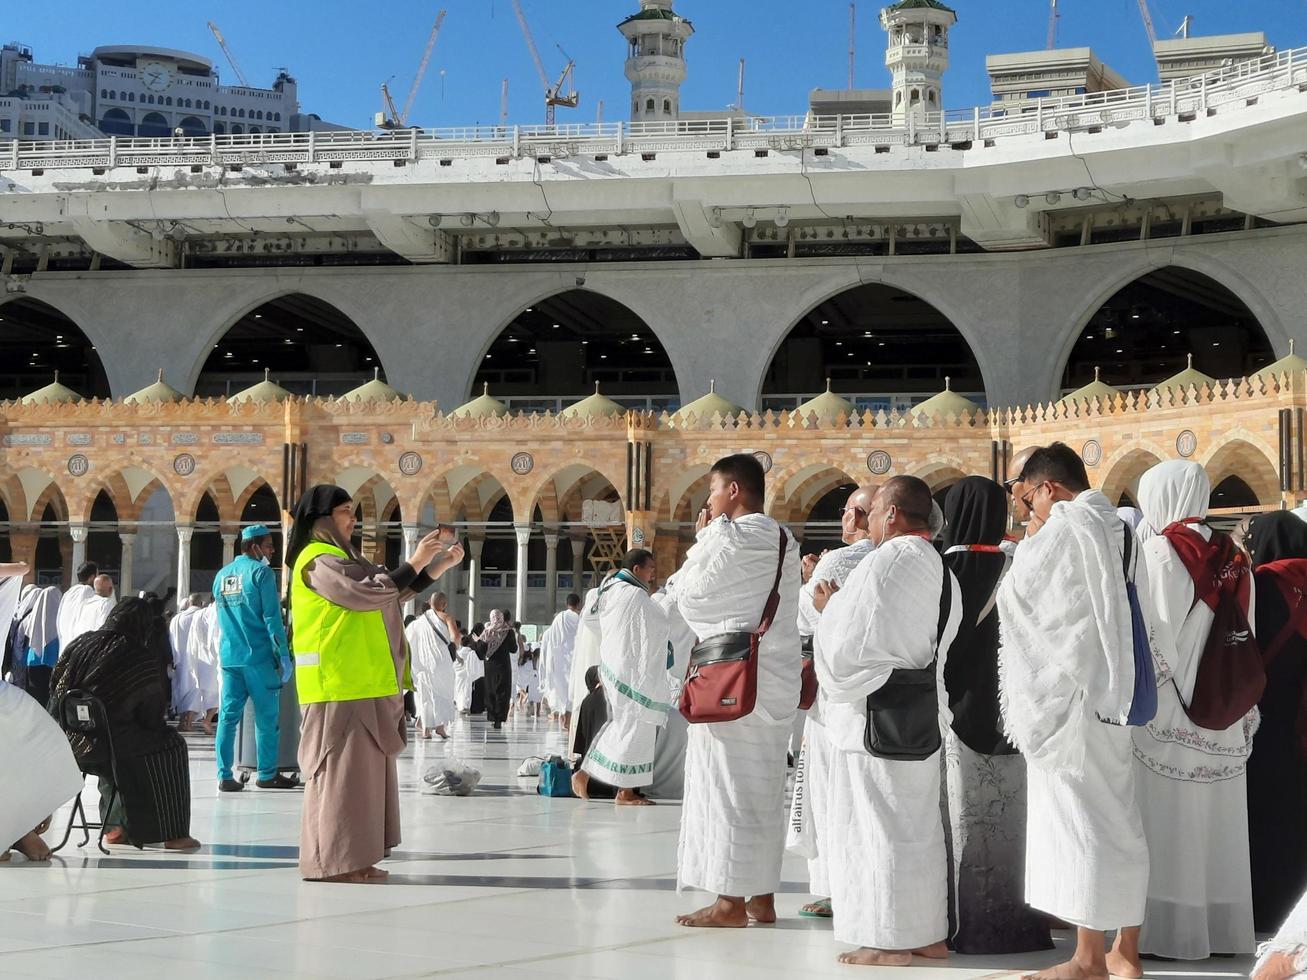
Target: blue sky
{"type": "Point", "coordinates": [341, 50]}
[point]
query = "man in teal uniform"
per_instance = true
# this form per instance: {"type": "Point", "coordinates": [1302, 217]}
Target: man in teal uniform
{"type": "Point", "coordinates": [254, 657]}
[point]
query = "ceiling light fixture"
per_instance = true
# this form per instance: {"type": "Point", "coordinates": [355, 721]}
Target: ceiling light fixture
{"type": "Point", "coordinates": [1021, 201]}
{"type": "Point", "coordinates": [750, 219]}
{"type": "Point", "coordinates": [782, 218]}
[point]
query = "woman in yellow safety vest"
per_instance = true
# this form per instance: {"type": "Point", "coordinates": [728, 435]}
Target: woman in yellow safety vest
{"type": "Point", "coordinates": [348, 642]}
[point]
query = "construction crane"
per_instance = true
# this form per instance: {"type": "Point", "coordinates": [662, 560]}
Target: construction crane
{"type": "Point", "coordinates": [1054, 15]}
{"type": "Point", "coordinates": [853, 40]}
{"type": "Point", "coordinates": [1148, 23]}
{"type": "Point", "coordinates": [553, 93]}
{"type": "Point", "coordinates": [390, 118]}
{"type": "Point", "coordinates": [231, 60]}
{"type": "Point", "coordinates": [503, 103]}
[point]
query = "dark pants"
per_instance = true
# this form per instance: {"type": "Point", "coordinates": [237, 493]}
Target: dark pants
{"type": "Point", "coordinates": [499, 687]}
{"type": "Point", "coordinates": [38, 684]}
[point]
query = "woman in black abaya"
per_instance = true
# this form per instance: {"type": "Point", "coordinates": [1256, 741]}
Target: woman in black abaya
{"type": "Point", "coordinates": [985, 779]}
{"type": "Point", "coordinates": [496, 647]}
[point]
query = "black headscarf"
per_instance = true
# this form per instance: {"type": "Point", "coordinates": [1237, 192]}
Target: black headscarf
{"type": "Point", "coordinates": [317, 502]}
{"type": "Point", "coordinates": [135, 618]}
{"type": "Point", "coordinates": [977, 512]}
{"type": "Point", "coordinates": [1277, 536]}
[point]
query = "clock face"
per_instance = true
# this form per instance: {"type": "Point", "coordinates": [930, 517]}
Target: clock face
{"type": "Point", "coordinates": [155, 76]}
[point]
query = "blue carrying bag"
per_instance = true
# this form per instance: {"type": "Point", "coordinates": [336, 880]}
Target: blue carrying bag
{"type": "Point", "coordinates": [1143, 707]}
{"type": "Point", "coordinates": [555, 778]}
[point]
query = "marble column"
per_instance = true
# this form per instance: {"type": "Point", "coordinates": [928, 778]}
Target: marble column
{"type": "Point", "coordinates": [474, 546]}
{"type": "Point", "coordinates": [412, 535]}
{"type": "Point", "coordinates": [523, 532]}
{"type": "Point", "coordinates": [184, 533]}
{"type": "Point", "coordinates": [78, 532]}
{"type": "Point", "coordinates": [551, 572]}
{"type": "Point", "coordinates": [228, 548]}
{"type": "Point", "coordinates": [578, 563]}
{"type": "Point", "coordinates": [128, 539]}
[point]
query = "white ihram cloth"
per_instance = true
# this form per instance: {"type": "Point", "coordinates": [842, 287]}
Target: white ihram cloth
{"type": "Point", "coordinates": [807, 807]}
{"type": "Point", "coordinates": [1066, 661]}
{"type": "Point", "coordinates": [556, 660]}
{"type": "Point", "coordinates": [467, 672]}
{"type": "Point", "coordinates": [633, 671]}
{"type": "Point", "coordinates": [733, 817]}
{"type": "Point", "coordinates": [204, 645]}
{"type": "Point", "coordinates": [186, 694]}
{"type": "Point", "coordinates": [70, 612]}
{"type": "Point", "coordinates": [526, 680]}
{"type": "Point", "coordinates": [37, 768]}
{"type": "Point", "coordinates": [1291, 939]}
{"type": "Point", "coordinates": [585, 654]}
{"type": "Point", "coordinates": [883, 816]}
{"type": "Point", "coordinates": [1190, 781]}
{"type": "Point", "coordinates": [432, 667]}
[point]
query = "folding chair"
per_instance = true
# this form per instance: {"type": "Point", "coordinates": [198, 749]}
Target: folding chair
{"type": "Point", "coordinates": [81, 713]}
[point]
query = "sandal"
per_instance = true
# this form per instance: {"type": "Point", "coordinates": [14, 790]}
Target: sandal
{"type": "Point", "coordinates": [819, 909]}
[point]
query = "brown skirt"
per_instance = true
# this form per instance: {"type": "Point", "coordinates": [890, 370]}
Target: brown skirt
{"type": "Point", "coordinates": [351, 790]}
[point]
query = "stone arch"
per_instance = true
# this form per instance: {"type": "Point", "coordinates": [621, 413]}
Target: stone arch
{"type": "Point", "coordinates": [1124, 469]}
{"type": "Point", "coordinates": [555, 490]}
{"type": "Point", "coordinates": [792, 494]}
{"type": "Point", "coordinates": [42, 490]}
{"type": "Point", "coordinates": [1237, 456]}
{"type": "Point", "coordinates": [40, 337]}
{"type": "Point", "coordinates": [1140, 264]}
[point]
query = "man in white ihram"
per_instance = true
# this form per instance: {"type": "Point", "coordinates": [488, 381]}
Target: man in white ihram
{"type": "Point", "coordinates": [431, 637]}
{"type": "Point", "coordinates": [187, 697]}
{"type": "Point", "coordinates": [1066, 681]}
{"type": "Point", "coordinates": [633, 670]}
{"type": "Point", "coordinates": [556, 660]}
{"type": "Point", "coordinates": [85, 606]}
{"type": "Point", "coordinates": [889, 888]}
{"type": "Point", "coordinates": [807, 810]}
{"type": "Point", "coordinates": [733, 817]}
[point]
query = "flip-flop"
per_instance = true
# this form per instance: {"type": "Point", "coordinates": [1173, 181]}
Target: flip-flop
{"type": "Point", "coordinates": [825, 912]}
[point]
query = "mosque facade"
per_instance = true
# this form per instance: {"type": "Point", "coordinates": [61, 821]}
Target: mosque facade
{"type": "Point", "coordinates": [547, 335]}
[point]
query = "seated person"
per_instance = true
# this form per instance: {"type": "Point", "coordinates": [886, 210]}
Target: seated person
{"type": "Point", "coordinates": [1286, 955]}
{"type": "Point", "coordinates": [120, 664]}
{"type": "Point", "coordinates": [590, 717]}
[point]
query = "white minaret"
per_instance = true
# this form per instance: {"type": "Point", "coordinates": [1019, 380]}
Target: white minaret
{"type": "Point", "coordinates": [655, 59]}
{"type": "Point", "coordinates": [917, 54]}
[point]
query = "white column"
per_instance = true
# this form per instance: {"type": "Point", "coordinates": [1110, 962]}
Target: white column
{"type": "Point", "coordinates": [412, 535]}
{"type": "Point", "coordinates": [578, 563]}
{"type": "Point", "coordinates": [128, 539]}
{"type": "Point", "coordinates": [78, 533]}
{"type": "Point", "coordinates": [184, 532]}
{"type": "Point", "coordinates": [228, 548]}
{"type": "Point", "coordinates": [474, 546]}
{"type": "Point", "coordinates": [551, 571]}
{"type": "Point", "coordinates": [523, 532]}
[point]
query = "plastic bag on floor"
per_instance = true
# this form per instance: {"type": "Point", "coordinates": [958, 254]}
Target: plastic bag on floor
{"type": "Point", "coordinates": [454, 778]}
{"type": "Point", "coordinates": [530, 766]}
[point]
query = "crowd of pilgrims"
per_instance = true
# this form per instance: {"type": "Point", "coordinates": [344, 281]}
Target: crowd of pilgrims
{"type": "Point", "coordinates": [1100, 726]}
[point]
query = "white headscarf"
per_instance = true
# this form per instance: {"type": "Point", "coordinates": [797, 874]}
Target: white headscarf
{"type": "Point", "coordinates": [1176, 490]}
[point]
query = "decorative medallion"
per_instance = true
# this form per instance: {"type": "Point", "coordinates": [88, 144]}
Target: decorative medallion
{"type": "Point", "coordinates": [354, 438]}
{"type": "Point", "coordinates": [637, 537]}
{"type": "Point", "coordinates": [1091, 453]}
{"type": "Point", "coordinates": [78, 438]}
{"type": "Point", "coordinates": [879, 462]}
{"type": "Point", "coordinates": [184, 464]}
{"type": "Point", "coordinates": [387, 438]}
{"type": "Point", "coordinates": [78, 465]}
{"type": "Point", "coordinates": [144, 439]}
{"type": "Point", "coordinates": [764, 460]}
{"type": "Point", "coordinates": [185, 439]}
{"type": "Point", "coordinates": [1186, 443]}
{"type": "Point", "coordinates": [238, 438]}
{"type": "Point", "coordinates": [410, 463]}
{"type": "Point", "coordinates": [522, 463]}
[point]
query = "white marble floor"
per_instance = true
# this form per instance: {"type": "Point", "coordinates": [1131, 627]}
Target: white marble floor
{"type": "Point", "coordinates": [502, 883]}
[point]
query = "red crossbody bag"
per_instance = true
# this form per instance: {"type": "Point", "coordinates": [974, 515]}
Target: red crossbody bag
{"type": "Point", "coordinates": [722, 683]}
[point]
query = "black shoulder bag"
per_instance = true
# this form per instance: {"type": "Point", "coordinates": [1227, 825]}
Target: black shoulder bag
{"type": "Point", "coordinates": [903, 716]}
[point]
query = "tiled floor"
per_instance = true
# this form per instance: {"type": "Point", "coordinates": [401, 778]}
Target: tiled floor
{"type": "Point", "coordinates": [502, 883]}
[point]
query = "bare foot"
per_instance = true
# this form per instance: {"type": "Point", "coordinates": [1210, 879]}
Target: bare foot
{"type": "Point", "coordinates": [440, 730]}
{"type": "Point", "coordinates": [33, 847]}
{"type": "Point", "coordinates": [116, 835]}
{"type": "Point", "coordinates": [181, 844]}
{"type": "Point", "coordinates": [866, 956]}
{"type": "Point", "coordinates": [629, 797]}
{"type": "Point", "coordinates": [761, 909]}
{"type": "Point", "coordinates": [44, 825]}
{"type": "Point", "coordinates": [185, 724]}
{"type": "Point", "coordinates": [1121, 964]}
{"type": "Point", "coordinates": [376, 874]}
{"type": "Point", "coordinates": [4, 857]}
{"type": "Point", "coordinates": [581, 785]}
{"type": "Point", "coordinates": [725, 913]}
{"type": "Point", "coordinates": [1071, 970]}
{"type": "Point", "coordinates": [935, 951]}
{"type": "Point", "coordinates": [1278, 966]}
{"type": "Point", "coordinates": [348, 878]}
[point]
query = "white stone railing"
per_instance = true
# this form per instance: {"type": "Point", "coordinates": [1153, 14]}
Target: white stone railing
{"type": "Point", "coordinates": [1232, 88]}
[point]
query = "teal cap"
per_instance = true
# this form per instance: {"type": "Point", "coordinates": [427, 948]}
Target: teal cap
{"type": "Point", "coordinates": [255, 531]}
